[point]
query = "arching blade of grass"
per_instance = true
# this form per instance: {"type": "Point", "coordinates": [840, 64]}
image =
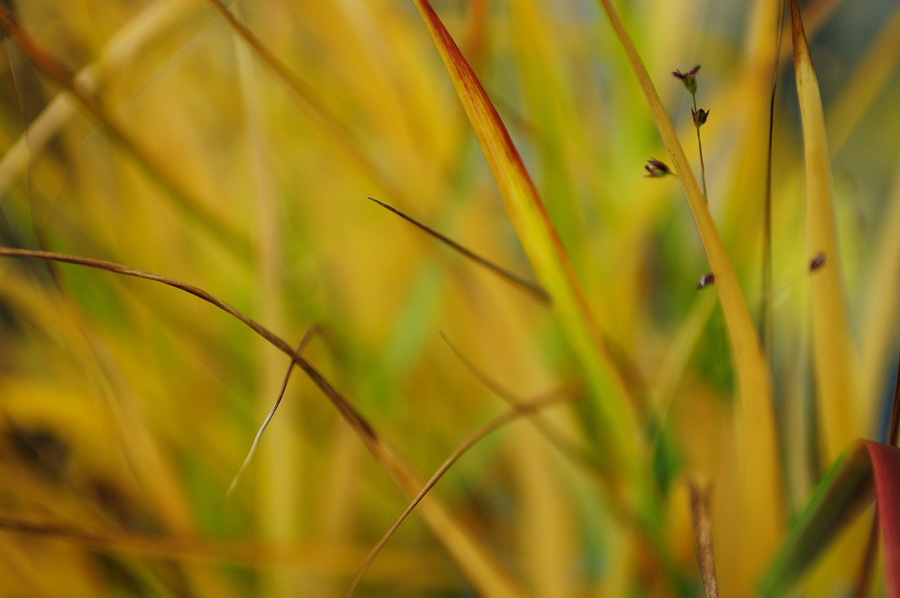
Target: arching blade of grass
{"type": "Point", "coordinates": [841, 496]}
{"type": "Point", "coordinates": [757, 431]}
{"type": "Point", "coordinates": [523, 409]}
{"type": "Point", "coordinates": [832, 342]}
{"type": "Point", "coordinates": [548, 257]}
{"type": "Point", "coordinates": [475, 562]}
{"type": "Point", "coordinates": [216, 224]}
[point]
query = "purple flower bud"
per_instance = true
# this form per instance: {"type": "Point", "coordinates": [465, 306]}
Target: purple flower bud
{"type": "Point", "coordinates": [657, 169]}
{"type": "Point", "coordinates": [689, 79]}
{"type": "Point", "coordinates": [706, 280]}
{"type": "Point", "coordinates": [817, 262]}
{"type": "Point", "coordinates": [700, 115]}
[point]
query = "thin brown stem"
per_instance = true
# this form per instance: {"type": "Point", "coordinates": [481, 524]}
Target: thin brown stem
{"type": "Point", "coordinates": [532, 288]}
{"type": "Point", "coordinates": [701, 516]}
{"type": "Point", "coordinates": [700, 148]}
{"type": "Point", "coordinates": [765, 323]}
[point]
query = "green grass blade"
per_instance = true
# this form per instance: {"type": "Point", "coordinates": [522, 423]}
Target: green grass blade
{"type": "Point", "coordinates": [844, 491]}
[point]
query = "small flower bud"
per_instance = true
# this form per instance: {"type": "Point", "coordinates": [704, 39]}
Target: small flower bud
{"type": "Point", "coordinates": [817, 262]}
{"type": "Point", "coordinates": [657, 169]}
{"type": "Point", "coordinates": [706, 280]}
{"type": "Point", "coordinates": [700, 115]}
{"type": "Point", "coordinates": [689, 79]}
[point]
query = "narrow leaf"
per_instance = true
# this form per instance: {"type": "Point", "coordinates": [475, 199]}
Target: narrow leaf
{"type": "Point", "coordinates": [834, 354]}
{"type": "Point", "coordinates": [528, 286]}
{"type": "Point", "coordinates": [886, 465]}
{"type": "Point", "coordinates": [844, 491]}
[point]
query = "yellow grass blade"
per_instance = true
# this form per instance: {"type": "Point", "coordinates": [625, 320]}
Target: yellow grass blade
{"type": "Point", "coordinates": [834, 355]}
{"type": "Point", "coordinates": [763, 490]}
{"type": "Point", "coordinates": [546, 253]}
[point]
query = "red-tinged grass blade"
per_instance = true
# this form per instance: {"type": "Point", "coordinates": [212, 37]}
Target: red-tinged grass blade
{"type": "Point", "coordinates": [834, 355]}
{"type": "Point", "coordinates": [842, 494]}
{"type": "Point", "coordinates": [549, 260]}
{"type": "Point", "coordinates": [217, 225]}
{"type": "Point", "coordinates": [845, 490]}
{"type": "Point", "coordinates": [757, 431]}
{"type": "Point", "coordinates": [886, 465]}
{"type": "Point", "coordinates": [531, 288]}
{"type": "Point", "coordinates": [701, 517]}
{"type": "Point", "coordinates": [475, 563]}
{"type": "Point", "coordinates": [529, 408]}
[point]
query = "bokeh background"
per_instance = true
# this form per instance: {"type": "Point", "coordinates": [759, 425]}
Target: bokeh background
{"type": "Point", "coordinates": [127, 407]}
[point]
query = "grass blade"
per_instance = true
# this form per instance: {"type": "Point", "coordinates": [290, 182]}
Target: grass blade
{"type": "Point", "coordinates": [533, 289]}
{"type": "Point", "coordinates": [756, 430]}
{"type": "Point", "coordinates": [548, 258]}
{"type": "Point", "coordinates": [886, 465]}
{"type": "Point", "coordinates": [833, 352]}
{"type": "Point", "coordinates": [845, 490]}
{"type": "Point", "coordinates": [287, 376]}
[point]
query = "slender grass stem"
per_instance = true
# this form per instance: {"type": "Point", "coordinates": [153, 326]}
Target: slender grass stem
{"type": "Point", "coordinates": [700, 147]}
{"type": "Point", "coordinates": [523, 409]}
